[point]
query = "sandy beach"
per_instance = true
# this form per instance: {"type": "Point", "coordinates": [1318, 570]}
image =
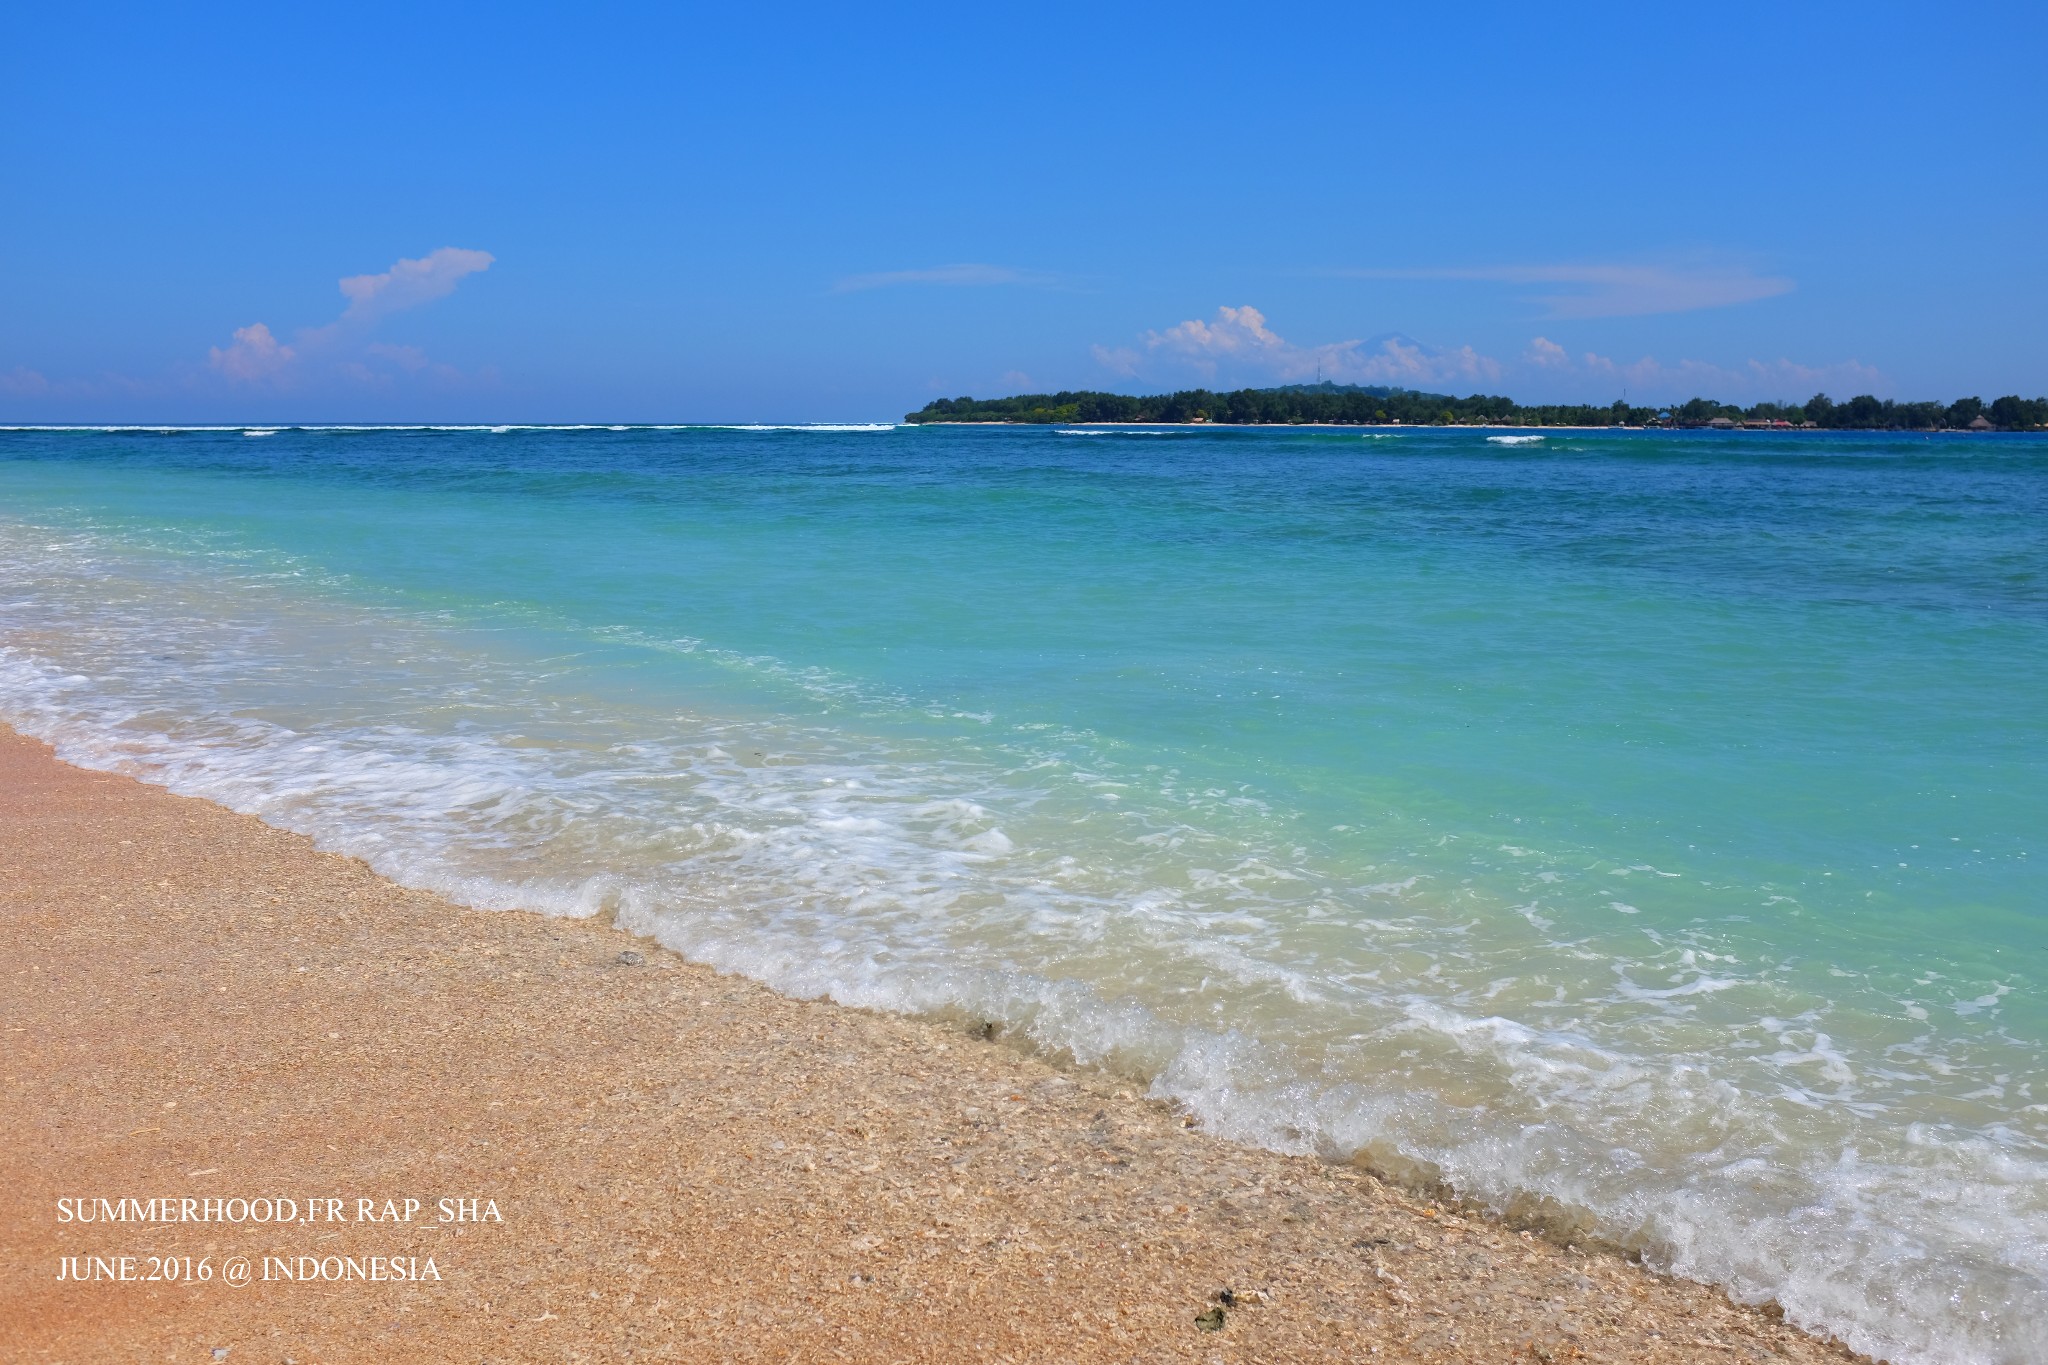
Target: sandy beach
{"type": "Point", "coordinates": [665, 1163]}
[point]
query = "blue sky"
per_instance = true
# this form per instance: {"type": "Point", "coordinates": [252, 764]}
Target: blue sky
{"type": "Point", "coordinates": [647, 213]}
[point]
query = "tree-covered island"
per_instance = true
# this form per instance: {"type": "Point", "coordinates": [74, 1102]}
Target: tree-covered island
{"type": "Point", "coordinates": [1355, 405]}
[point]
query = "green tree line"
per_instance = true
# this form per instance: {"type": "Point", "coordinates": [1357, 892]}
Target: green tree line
{"type": "Point", "coordinates": [1351, 405]}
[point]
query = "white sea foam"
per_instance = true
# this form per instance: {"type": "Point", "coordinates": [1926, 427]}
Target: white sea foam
{"type": "Point", "coordinates": [1514, 440]}
{"type": "Point", "coordinates": [808, 426]}
{"type": "Point", "coordinates": [1677, 1100]}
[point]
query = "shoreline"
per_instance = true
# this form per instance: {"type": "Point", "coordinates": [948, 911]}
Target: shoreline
{"type": "Point", "coordinates": [685, 1165]}
{"type": "Point", "coordinates": [1481, 426]}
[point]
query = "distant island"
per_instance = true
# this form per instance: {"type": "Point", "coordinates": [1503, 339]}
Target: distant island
{"type": "Point", "coordinates": [1355, 405]}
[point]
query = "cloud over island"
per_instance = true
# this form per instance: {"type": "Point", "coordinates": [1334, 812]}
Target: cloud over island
{"type": "Point", "coordinates": [1238, 340]}
{"type": "Point", "coordinates": [1237, 345]}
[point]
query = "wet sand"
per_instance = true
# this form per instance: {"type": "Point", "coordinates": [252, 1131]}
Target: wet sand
{"type": "Point", "coordinates": [687, 1166]}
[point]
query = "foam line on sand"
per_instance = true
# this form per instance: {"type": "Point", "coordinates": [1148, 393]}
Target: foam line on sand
{"type": "Point", "coordinates": [686, 1165]}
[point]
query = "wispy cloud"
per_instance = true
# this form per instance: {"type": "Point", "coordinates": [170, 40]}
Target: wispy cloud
{"type": "Point", "coordinates": [1650, 379]}
{"type": "Point", "coordinates": [410, 283]}
{"type": "Point", "coordinates": [256, 356]}
{"type": "Point", "coordinates": [1399, 360]}
{"type": "Point", "coordinates": [1772, 379]}
{"type": "Point", "coordinates": [1611, 291]}
{"type": "Point", "coordinates": [384, 366]}
{"type": "Point", "coordinates": [1240, 340]}
{"type": "Point", "coordinates": [22, 382]}
{"type": "Point", "coordinates": [964, 274]}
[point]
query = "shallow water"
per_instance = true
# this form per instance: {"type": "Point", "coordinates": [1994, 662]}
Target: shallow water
{"type": "Point", "coordinates": [1638, 830]}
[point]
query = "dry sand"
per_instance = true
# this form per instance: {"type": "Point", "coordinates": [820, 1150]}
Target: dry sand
{"type": "Point", "coordinates": [688, 1167]}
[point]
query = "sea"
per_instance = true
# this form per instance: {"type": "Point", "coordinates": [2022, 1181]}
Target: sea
{"type": "Point", "coordinates": [1640, 834]}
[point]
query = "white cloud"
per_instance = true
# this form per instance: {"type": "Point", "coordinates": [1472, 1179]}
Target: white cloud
{"type": "Point", "coordinates": [1614, 290]}
{"type": "Point", "coordinates": [1239, 345]}
{"type": "Point", "coordinates": [1236, 332]}
{"type": "Point", "coordinates": [964, 274]}
{"type": "Point", "coordinates": [409, 283]}
{"type": "Point", "coordinates": [1401, 361]}
{"type": "Point", "coordinates": [1239, 339]}
{"type": "Point", "coordinates": [254, 356]}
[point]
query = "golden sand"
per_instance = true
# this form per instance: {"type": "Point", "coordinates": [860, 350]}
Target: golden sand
{"type": "Point", "coordinates": [687, 1166]}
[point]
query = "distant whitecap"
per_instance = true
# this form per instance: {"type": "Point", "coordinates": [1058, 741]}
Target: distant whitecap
{"type": "Point", "coordinates": [808, 426]}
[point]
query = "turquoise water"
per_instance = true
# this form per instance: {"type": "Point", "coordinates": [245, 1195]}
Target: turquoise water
{"type": "Point", "coordinates": [1641, 831]}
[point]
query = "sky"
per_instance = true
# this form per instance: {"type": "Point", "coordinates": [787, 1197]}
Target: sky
{"type": "Point", "coordinates": [628, 213]}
